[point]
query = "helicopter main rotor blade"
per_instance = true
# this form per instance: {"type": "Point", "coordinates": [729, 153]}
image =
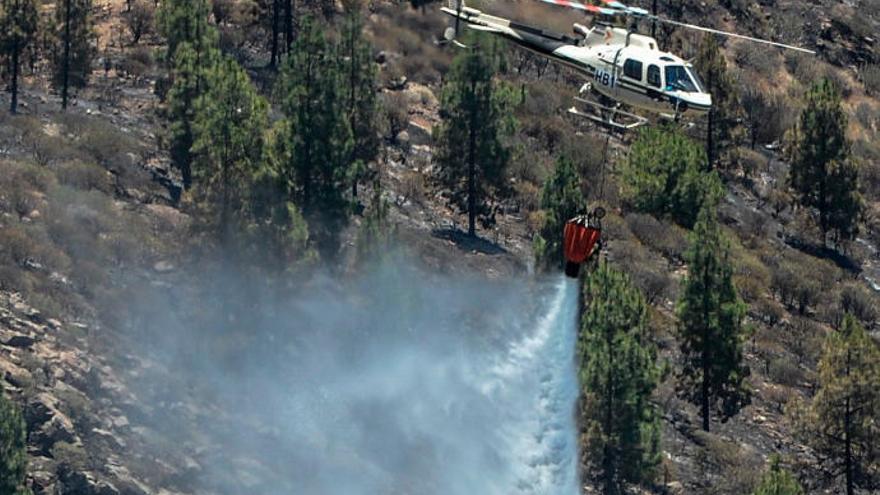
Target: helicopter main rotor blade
{"type": "Point", "coordinates": [727, 33]}
{"type": "Point", "coordinates": [615, 7]}
{"type": "Point", "coordinates": [637, 12]}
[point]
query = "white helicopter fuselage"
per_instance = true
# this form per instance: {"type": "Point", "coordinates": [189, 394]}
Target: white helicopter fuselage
{"type": "Point", "coordinates": [623, 66]}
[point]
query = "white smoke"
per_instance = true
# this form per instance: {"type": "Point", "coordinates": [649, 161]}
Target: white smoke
{"type": "Point", "coordinates": [399, 383]}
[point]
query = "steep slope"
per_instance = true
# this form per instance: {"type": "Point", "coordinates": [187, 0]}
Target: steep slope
{"type": "Point", "coordinates": [89, 212]}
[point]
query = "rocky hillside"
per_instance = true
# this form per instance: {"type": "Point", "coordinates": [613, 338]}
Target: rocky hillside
{"type": "Point", "coordinates": [91, 216]}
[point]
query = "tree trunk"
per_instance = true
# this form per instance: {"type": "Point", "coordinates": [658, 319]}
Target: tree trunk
{"type": "Point", "coordinates": [65, 62]}
{"type": "Point", "coordinates": [472, 171]}
{"type": "Point", "coordinates": [352, 122]}
{"type": "Point", "coordinates": [607, 454]}
{"type": "Point", "coordinates": [704, 355]}
{"type": "Point", "coordinates": [276, 14]}
{"type": "Point", "coordinates": [823, 209]}
{"type": "Point", "coordinates": [710, 141]}
{"type": "Point", "coordinates": [288, 24]}
{"type": "Point", "coordinates": [847, 438]}
{"type": "Point", "coordinates": [848, 450]}
{"type": "Point", "coordinates": [14, 104]}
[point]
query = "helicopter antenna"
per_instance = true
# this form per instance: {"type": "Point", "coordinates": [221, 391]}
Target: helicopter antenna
{"type": "Point", "coordinates": [615, 8]}
{"type": "Point", "coordinates": [654, 22]}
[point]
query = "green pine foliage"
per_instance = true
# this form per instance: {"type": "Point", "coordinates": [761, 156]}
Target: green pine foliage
{"type": "Point", "coordinates": [18, 28]}
{"type": "Point", "coordinates": [278, 229]}
{"type": "Point", "coordinates": [359, 74]}
{"type": "Point", "coordinates": [317, 149]}
{"type": "Point", "coordinates": [471, 151]}
{"type": "Point", "coordinates": [618, 374]}
{"type": "Point", "coordinates": [186, 21]}
{"type": "Point", "coordinates": [842, 423]}
{"type": "Point", "coordinates": [778, 481]}
{"type": "Point", "coordinates": [664, 175]}
{"type": "Point", "coordinates": [561, 199]}
{"type": "Point", "coordinates": [73, 51]}
{"type": "Point", "coordinates": [711, 331]}
{"type": "Point", "coordinates": [228, 128]}
{"type": "Point", "coordinates": [13, 448]}
{"type": "Point", "coordinates": [375, 236]}
{"type": "Point", "coordinates": [823, 174]}
{"type": "Point", "coordinates": [189, 74]}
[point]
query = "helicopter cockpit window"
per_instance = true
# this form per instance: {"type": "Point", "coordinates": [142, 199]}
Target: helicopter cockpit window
{"type": "Point", "coordinates": [654, 76]}
{"type": "Point", "coordinates": [677, 77]}
{"type": "Point", "coordinates": [632, 69]}
{"type": "Point", "coordinates": [700, 86]}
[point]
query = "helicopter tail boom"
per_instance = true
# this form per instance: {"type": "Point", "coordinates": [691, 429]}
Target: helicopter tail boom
{"type": "Point", "coordinates": [541, 41]}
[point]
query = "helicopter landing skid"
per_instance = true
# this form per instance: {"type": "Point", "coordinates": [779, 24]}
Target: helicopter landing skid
{"type": "Point", "coordinates": [608, 116]}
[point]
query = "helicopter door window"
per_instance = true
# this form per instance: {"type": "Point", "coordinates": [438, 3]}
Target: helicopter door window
{"type": "Point", "coordinates": [677, 78]}
{"type": "Point", "coordinates": [632, 69]}
{"type": "Point", "coordinates": [654, 76]}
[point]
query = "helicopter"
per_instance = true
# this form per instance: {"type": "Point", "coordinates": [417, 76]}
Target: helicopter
{"type": "Point", "coordinates": [622, 67]}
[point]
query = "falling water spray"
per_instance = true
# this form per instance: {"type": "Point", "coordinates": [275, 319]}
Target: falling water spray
{"type": "Point", "coordinates": [400, 382]}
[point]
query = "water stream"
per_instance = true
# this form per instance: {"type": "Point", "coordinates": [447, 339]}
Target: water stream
{"type": "Point", "coordinates": [397, 385]}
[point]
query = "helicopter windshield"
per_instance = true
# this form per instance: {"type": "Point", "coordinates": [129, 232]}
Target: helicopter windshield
{"type": "Point", "coordinates": [677, 77]}
{"type": "Point", "coordinates": [696, 78]}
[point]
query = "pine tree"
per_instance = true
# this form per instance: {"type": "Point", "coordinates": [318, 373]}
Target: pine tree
{"type": "Point", "coordinates": [376, 232]}
{"type": "Point", "coordinates": [186, 21]}
{"type": "Point", "coordinates": [13, 453]}
{"type": "Point", "coordinates": [561, 199]}
{"type": "Point", "coordinates": [274, 47]}
{"type": "Point", "coordinates": [471, 151]}
{"type": "Point", "coordinates": [318, 136]}
{"type": "Point", "coordinates": [74, 51]}
{"type": "Point", "coordinates": [618, 374]}
{"type": "Point", "coordinates": [228, 129]}
{"type": "Point", "coordinates": [663, 175]}
{"type": "Point", "coordinates": [710, 324]}
{"type": "Point", "coordinates": [725, 106]}
{"type": "Point", "coordinates": [842, 423]}
{"type": "Point", "coordinates": [189, 76]}
{"type": "Point", "coordinates": [823, 174]}
{"type": "Point", "coordinates": [778, 481]}
{"type": "Point", "coordinates": [277, 226]}
{"type": "Point", "coordinates": [360, 95]}
{"type": "Point", "coordinates": [18, 28]}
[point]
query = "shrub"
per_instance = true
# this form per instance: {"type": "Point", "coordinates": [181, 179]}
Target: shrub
{"type": "Point", "coordinates": [137, 62]}
{"type": "Point", "coordinates": [654, 284]}
{"type": "Point", "coordinates": [866, 116]}
{"type": "Point", "coordinates": [104, 142]}
{"type": "Point", "coordinates": [767, 310]}
{"type": "Point", "coordinates": [799, 283]}
{"type": "Point", "coordinates": [803, 68]}
{"type": "Point", "coordinates": [786, 372]}
{"type": "Point", "coordinates": [13, 447]}
{"type": "Point", "coordinates": [839, 81]}
{"type": "Point", "coordinates": [140, 19]}
{"type": "Point", "coordinates": [668, 239]}
{"type": "Point", "coordinates": [859, 302]}
{"type": "Point", "coordinates": [870, 76]}
{"type": "Point", "coordinates": [739, 468]}
{"type": "Point", "coordinates": [767, 116]}
{"type": "Point", "coordinates": [764, 63]}
{"type": "Point", "coordinates": [84, 176]}
{"type": "Point", "coordinates": [804, 339]}
{"type": "Point", "coordinates": [396, 109]}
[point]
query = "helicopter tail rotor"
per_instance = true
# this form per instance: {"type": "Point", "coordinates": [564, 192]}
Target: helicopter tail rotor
{"type": "Point", "coordinates": [450, 34]}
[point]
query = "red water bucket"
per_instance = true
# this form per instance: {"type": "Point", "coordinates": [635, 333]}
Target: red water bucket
{"type": "Point", "coordinates": [579, 240]}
